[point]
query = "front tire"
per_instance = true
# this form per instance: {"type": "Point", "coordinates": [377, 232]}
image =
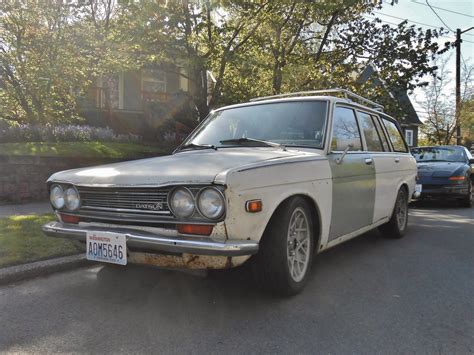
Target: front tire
{"type": "Point", "coordinates": [396, 227]}
{"type": "Point", "coordinates": [286, 249]}
{"type": "Point", "coordinates": [467, 202]}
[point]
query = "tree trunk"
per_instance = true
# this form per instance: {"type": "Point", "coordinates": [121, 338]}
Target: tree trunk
{"type": "Point", "coordinates": [198, 89]}
{"type": "Point", "coordinates": [277, 77]}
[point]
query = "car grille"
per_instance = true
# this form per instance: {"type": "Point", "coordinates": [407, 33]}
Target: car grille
{"type": "Point", "coordinates": [146, 206]}
{"type": "Point", "coordinates": [145, 201]}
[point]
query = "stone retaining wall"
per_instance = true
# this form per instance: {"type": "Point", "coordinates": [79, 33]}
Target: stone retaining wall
{"type": "Point", "coordinates": [22, 178]}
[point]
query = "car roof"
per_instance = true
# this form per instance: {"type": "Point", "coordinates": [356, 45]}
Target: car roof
{"type": "Point", "coordinates": [330, 99]}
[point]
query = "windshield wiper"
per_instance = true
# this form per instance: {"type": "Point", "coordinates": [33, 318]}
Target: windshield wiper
{"type": "Point", "coordinates": [252, 140]}
{"type": "Point", "coordinates": [198, 146]}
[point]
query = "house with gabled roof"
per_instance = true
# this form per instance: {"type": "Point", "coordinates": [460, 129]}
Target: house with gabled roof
{"type": "Point", "coordinates": [409, 120]}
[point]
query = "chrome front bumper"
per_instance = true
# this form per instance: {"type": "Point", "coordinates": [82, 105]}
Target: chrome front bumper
{"type": "Point", "coordinates": [145, 240]}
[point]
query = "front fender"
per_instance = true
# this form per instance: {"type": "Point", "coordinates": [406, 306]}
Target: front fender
{"type": "Point", "coordinates": [273, 185]}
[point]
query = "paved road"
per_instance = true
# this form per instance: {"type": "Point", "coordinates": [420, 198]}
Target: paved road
{"type": "Point", "coordinates": [370, 295]}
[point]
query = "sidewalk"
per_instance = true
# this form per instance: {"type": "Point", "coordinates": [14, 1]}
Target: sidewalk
{"type": "Point", "coordinates": [25, 209]}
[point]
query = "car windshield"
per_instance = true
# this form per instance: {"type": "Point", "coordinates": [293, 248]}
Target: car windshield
{"type": "Point", "coordinates": [433, 154]}
{"type": "Point", "coordinates": [298, 123]}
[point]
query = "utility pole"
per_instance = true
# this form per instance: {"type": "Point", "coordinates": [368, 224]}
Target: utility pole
{"type": "Point", "coordinates": [458, 83]}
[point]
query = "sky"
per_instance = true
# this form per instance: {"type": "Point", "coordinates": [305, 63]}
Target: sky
{"type": "Point", "coordinates": [460, 15]}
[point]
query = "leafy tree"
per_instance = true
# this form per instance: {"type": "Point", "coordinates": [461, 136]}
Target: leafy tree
{"type": "Point", "coordinates": [439, 104]}
{"type": "Point", "coordinates": [201, 36]}
{"type": "Point", "coordinates": [50, 51]}
{"type": "Point", "coordinates": [316, 45]}
{"type": "Point", "coordinates": [467, 122]}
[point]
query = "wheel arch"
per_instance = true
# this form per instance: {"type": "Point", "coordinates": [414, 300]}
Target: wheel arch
{"type": "Point", "coordinates": [404, 185]}
{"type": "Point", "coordinates": [315, 215]}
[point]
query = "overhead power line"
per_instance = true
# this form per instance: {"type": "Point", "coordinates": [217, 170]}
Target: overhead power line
{"type": "Point", "coordinates": [396, 24]}
{"type": "Point", "coordinates": [442, 9]}
{"type": "Point", "coordinates": [444, 23]}
{"type": "Point", "coordinates": [415, 22]}
{"type": "Point", "coordinates": [439, 17]}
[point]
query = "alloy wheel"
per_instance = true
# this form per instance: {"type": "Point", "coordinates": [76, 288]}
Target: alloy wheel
{"type": "Point", "coordinates": [299, 244]}
{"type": "Point", "coordinates": [402, 210]}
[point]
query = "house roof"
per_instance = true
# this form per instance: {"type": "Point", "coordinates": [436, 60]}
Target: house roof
{"type": "Point", "coordinates": [411, 117]}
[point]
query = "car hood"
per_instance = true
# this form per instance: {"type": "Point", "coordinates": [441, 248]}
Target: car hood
{"type": "Point", "coordinates": [193, 167]}
{"type": "Point", "coordinates": [439, 169]}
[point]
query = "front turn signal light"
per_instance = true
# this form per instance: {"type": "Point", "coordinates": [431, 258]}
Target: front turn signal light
{"type": "Point", "coordinates": [253, 206]}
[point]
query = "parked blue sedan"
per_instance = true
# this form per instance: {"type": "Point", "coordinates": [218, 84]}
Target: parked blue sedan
{"type": "Point", "coordinates": [445, 172]}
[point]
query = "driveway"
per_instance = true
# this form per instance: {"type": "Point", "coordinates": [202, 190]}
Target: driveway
{"type": "Point", "coordinates": [370, 295]}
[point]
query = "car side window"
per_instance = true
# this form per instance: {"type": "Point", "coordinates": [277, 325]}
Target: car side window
{"type": "Point", "coordinates": [395, 136]}
{"type": "Point", "coordinates": [383, 137]}
{"type": "Point", "coordinates": [371, 135]}
{"type": "Point", "coordinates": [345, 130]}
{"type": "Point", "coordinates": [468, 154]}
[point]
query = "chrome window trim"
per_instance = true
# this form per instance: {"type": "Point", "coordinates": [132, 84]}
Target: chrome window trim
{"type": "Point", "coordinates": [362, 140]}
{"type": "Point", "coordinates": [265, 102]}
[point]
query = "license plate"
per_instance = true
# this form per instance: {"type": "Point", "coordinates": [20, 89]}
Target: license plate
{"type": "Point", "coordinates": [418, 187]}
{"type": "Point", "coordinates": [107, 247]}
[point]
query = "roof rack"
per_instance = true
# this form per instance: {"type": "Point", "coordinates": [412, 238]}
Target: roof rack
{"type": "Point", "coordinates": [348, 95]}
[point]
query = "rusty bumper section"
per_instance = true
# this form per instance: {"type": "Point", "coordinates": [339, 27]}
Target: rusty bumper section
{"type": "Point", "coordinates": [145, 240]}
{"type": "Point", "coordinates": [187, 261]}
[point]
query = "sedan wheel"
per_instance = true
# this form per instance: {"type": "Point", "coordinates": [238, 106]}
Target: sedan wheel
{"type": "Point", "coordinates": [397, 225]}
{"type": "Point", "coordinates": [286, 250]}
{"type": "Point", "coordinates": [467, 202]}
{"type": "Point", "coordinates": [299, 240]}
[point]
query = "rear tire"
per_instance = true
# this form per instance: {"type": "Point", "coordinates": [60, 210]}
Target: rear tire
{"type": "Point", "coordinates": [467, 202]}
{"type": "Point", "coordinates": [286, 251]}
{"type": "Point", "coordinates": [396, 227]}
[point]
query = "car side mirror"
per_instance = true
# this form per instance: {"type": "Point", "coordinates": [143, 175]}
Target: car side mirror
{"type": "Point", "coordinates": [471, 161]}
{"type": "Point", "coordinates": [341, 158]}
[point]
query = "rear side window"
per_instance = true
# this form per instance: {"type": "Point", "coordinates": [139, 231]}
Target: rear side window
{"type": "Point", "coordinates": [370, 133]}
{"type": "Point", "coordinates": [395, 136]}
{"type": "Point", "coordinates": [383, 138]}
{"type": "Point", "coordinates": [345, 130]}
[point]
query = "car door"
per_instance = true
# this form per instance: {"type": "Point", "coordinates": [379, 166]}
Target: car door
{"type": "Point", "coordinates": [353, 175]}
{"type": "Point", "coordinates": [384, 162]}
{"type": "Point", "coordinates": [400, 167]}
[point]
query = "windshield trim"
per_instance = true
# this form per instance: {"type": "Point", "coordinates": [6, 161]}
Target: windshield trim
{"type": "Point", "coordinates": [258, 103]}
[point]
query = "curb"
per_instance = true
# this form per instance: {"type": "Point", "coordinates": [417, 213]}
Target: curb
{"type": "Point", "coordinates": [41, 268]}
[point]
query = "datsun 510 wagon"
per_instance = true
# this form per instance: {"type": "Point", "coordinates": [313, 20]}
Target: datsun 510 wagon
{"type": "Point", "coordinates": [272, 182]}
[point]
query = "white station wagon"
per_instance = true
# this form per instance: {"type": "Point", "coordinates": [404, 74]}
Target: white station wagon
{"type": "Point", "coordinates": [273, 182]}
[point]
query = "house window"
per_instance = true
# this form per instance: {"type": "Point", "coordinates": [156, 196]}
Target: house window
{"type": "Point", "coordinates": [409, 137]}
{"type": "Point", "coordinates": [154, 85]}
{"type": "Point", "coordinates": [109, 96]}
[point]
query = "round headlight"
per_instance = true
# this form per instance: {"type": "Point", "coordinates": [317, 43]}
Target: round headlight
{"type": "Point", "coordinates": [56, 196]}
{"type": "Point", "coordinates": [182, 202]}
{"type": "Point", "coordinates": [71, 197]}
{"type": "Point", "coordinates": [211, 203]}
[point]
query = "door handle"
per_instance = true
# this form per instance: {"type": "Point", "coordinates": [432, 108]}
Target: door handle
{"type": "Point", "coordinates": [397, 160]}
{"type": "Point", "coordinates": [369, 161]}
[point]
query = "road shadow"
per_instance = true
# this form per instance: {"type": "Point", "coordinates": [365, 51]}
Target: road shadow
{"type": "Point", "coordinates": [435, 204]}
{"type": "Point", "coordinates": [233, 284]}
